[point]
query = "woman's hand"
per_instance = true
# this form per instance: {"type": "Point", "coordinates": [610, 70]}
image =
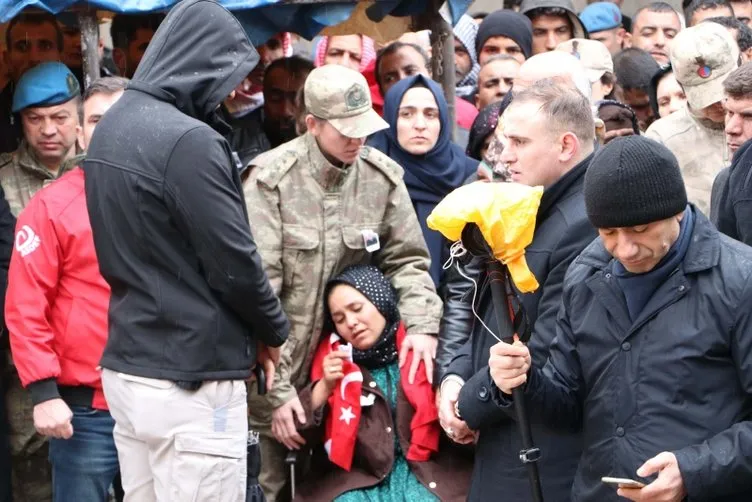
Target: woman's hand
{"type": "Point", "coordinates": [333, 367]}
{"type": "Point", "coordinates": [333, 370]}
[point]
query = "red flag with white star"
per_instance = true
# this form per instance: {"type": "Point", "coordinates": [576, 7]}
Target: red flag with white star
{"type": "Point", "coordinates": [343, 419]}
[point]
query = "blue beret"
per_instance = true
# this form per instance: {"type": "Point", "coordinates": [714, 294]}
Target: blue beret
{"type": "Point", "coordinates": [47, 84]}
{"type": "Point", "coordinates": [601, 16]}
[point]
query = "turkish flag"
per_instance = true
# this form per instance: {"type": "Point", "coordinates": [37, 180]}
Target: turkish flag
{"type": "Point", "coordinates": [341, 427]}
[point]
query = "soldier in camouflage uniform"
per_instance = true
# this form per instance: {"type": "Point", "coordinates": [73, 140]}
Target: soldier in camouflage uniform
{"type": "Point", "coordinates": [47, 98]}
{"type": "Point", "coordinates": [316, 205]}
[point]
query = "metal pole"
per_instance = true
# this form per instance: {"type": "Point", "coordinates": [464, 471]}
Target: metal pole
{"type": "Point", "coordinates": [87, 20]}
{"type": "Point", "coordinates": [442, 62]}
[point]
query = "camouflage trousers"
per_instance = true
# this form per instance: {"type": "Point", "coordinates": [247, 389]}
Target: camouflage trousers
{"type": "Point", "coordinates": [31, 470]}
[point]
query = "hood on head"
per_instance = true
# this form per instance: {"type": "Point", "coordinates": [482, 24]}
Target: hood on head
{"type": "Point", "coordinates": [199, 54]}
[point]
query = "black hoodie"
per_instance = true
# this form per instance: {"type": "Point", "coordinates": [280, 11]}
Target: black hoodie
{"type": "Point", "coordinates": [189, 294]}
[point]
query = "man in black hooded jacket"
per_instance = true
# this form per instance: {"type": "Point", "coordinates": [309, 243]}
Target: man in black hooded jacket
{"type": "Point", "coordinates": [190, 299]}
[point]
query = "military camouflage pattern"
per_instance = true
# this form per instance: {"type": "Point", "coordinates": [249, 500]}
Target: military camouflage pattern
{"type": "Point", "coordinates": [22, 176]}
{"type": "Point", "coordinates": [310, 219]}
{"type": "Point", "coordinates": [341, 96]}
{"type": "Point", "coordinates": [701, 151]}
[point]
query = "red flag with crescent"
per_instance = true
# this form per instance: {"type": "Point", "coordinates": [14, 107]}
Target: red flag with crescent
{"type": "Point", "coordinates": [343, 419]}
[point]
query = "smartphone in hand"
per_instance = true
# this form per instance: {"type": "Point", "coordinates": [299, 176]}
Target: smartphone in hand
{"type": "Point", "coordinates": [622, 482]}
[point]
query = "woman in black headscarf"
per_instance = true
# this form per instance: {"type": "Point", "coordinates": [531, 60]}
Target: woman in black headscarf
{"type": "Point", "coordinates": [419, 140]}
{"type": "Point", "coordinates": [375, 435]}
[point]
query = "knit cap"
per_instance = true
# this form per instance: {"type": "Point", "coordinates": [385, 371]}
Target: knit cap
{"type": "Point", "coordinates": [633, 181]}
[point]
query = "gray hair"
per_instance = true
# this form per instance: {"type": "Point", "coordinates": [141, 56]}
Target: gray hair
{"type": "Point", "coordinates": [566, 109]}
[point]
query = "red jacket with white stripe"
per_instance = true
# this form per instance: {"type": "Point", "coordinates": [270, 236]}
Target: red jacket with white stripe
{"type": "Point", "coordinates": [57, 301]}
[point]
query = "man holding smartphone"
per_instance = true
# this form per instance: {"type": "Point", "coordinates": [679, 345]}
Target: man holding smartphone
{"type": "Point", "coordinates": [653, 347]}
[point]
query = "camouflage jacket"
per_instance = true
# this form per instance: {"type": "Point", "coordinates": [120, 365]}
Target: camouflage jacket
{"type": "Point", "coordinates": [700, 150]}
{"type": "Point", "coordinates": [311, 219]}
{"type": "Point", "coordinates": [22, 175]}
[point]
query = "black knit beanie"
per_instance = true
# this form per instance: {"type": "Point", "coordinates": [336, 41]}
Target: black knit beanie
{"type": "Point", "coordinates": [506, 23]}
{"type": "Point", "coordinates": [633, 181]}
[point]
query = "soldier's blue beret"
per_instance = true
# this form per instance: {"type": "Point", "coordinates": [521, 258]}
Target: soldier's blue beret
{"type": "Point", "coordinates": [600, 16]}
{"type": "Point", "coordinates": [47, 84]}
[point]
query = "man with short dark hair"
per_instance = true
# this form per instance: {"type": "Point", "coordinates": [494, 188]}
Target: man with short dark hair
{"type": "Point", "coordinates": [283, 80]}
{"type": "Point", "coordinates": [730, 207]}
{"type": "Point", "coordinates": [399, 60]}
{"type": "Point", "coordinates": [495, 80]}
{"type": "Point", "coordinates": [653, 30]}
{"type": "Point", "coordinates": [656, 312]}
{"type": "Point", "coordinates": [699, 10]}
{"type": "Point", "coordinates": [56, 306]}
{"type": "Point", "coordinates": [634, 69]}
{"type": "Point", "coordinates": [742, 10]}
{"type": "Point", "coordinates": [30, 39]}
{"type": "Point", "coordinates": [740, 32]}
{"type": "Point", "coordinates": [554, 22]}
{"type": "Point", "coordinates": [131, 34]}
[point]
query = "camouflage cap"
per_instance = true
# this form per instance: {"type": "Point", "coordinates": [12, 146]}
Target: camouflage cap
{"type": "Point", "coordinates": [702, 57]}
{"type": "Point", "coordinates": [593, 55]}
{"type": "Point", "coordinates": [341, 96]}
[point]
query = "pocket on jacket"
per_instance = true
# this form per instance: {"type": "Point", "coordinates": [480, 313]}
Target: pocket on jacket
{"type": "Point", "coordinates": [298, 243]}
{"type": "Point", "coordinates": [208, 467]}
{"type": "Point", "coordinates": [352, 236]}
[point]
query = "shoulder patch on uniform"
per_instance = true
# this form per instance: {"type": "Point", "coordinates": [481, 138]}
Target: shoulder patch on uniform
{"type": "Point", "coordinates": [272, 168]}
{"type": "Point", "coordinates": [378, 159]}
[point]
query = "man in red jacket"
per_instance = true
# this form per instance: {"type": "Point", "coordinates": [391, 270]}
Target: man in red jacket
{"type": "Point", "coordinates": [56, 312]}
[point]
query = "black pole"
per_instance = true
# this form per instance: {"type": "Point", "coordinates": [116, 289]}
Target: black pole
{"type": "Point", "coordinates": [530, 454]}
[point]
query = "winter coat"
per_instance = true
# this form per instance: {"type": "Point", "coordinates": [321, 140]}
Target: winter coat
{"type": "Point", "coordinates": [57, 301]}
{"type": "Point", "coordinates": [562, 231]}
{"type": "Point", "coordinates": [312, 219]}
{"type": "Point", "coordinates": [190, 298]}
{"type": "Point", "coordinates": [731, 204]}
{"type": "Point", "coordinates": [446, 474]}
{"type": "Point", "coordinates": [677, 379]}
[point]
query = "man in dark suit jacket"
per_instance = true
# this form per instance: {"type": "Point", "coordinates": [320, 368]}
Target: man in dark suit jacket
{"type": "Point", "coordinates": [550, 139]}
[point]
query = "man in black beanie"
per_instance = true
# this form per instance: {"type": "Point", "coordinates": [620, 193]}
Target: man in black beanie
{"type": "Point", "coordinates": [654, 341]}
{"type": "Point", "coordinates": [504, 32]}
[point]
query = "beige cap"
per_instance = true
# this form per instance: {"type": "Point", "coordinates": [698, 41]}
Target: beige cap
{"type": "Point", "coordinates": [702, 57]}
{"type": "Point", "coordinates": [593, 55]}
{"type": "Point", "coordinates": [341, 96]}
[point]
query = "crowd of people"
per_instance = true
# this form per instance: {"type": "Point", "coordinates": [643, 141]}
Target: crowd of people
{"type": "Point", "coordinates": [214, 238]}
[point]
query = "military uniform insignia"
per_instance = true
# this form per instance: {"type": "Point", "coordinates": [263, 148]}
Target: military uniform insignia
{"type": "Point", "coordinates": [355, 97]}
{"type": "Point", "coordinates": [72, 83]}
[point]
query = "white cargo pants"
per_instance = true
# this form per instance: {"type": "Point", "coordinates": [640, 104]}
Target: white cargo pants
{"type": "Point", "coordinates": [176, 445]}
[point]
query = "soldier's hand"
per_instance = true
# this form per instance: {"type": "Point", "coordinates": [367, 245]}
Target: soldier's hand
{"type": "Point", "coordinates": [53, 419]}
{"type": "Point", "coordinates": [424, 348]}
{"type": "Point", "coordinates": [508, 365]}
{"type": "Point", "coordinates": [283, 424]}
